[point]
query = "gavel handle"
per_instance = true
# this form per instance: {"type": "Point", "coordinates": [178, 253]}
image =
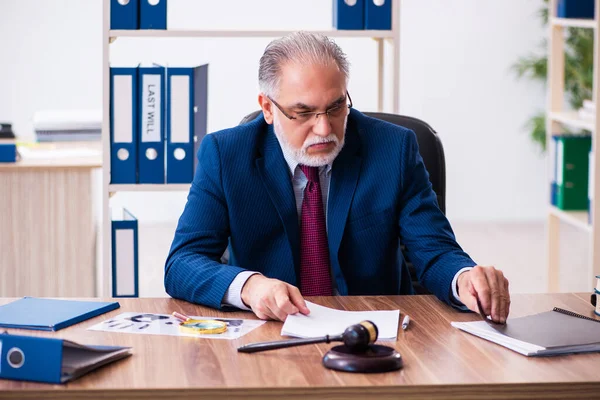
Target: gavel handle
{"type": "Point", "coordinates": [280, 344]}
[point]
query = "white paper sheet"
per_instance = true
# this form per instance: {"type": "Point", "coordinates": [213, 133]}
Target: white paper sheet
{"type": "Point", "coordinates": [165, 324]}
{"type": "Point", "coordinates": [327, 321]}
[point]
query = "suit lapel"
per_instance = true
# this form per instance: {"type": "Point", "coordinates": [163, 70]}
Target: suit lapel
{"type": "Point", "coordinates": [275, 174]}
{"type": "Point", "coordinates": [344, 178]}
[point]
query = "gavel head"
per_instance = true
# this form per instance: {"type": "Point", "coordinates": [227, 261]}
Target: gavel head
{"type": "Point", "coordinates": [358, 337]}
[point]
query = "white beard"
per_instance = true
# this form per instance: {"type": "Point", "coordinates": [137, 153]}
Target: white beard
{"type": "Point", "coordinates": [301, 156]}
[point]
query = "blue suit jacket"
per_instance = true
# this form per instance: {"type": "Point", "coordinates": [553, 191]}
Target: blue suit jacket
{"type": "Point", "coordinates": [379, 192]}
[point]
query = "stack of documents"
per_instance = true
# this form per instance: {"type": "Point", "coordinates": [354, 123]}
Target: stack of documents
{"type": "Point", "coordinates": [545, 334]}
{"type": "Point", "coordinates": [67, 125]}
{"type": "Point", "coordinates": [326, 321]}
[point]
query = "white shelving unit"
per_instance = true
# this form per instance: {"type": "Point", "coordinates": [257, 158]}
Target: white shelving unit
{"type": "Point", "coordinates": [392, 37]}
{"type": "Point", "coordinates": [557, 116]}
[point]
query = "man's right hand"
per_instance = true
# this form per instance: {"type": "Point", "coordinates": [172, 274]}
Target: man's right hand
{"type": "Point", "coordinates": [272, 298]}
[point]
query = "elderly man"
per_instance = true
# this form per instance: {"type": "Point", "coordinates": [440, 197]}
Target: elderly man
{"type": "Point", "coordinates": [311, 198]}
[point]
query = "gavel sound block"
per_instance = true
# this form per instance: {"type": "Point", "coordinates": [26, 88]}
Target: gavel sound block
{"type": "Point", "coordinates": [357, 354]}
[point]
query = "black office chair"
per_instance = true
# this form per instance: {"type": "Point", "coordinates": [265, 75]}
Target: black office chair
{"type": "Point", "coordinates": [432, 151]}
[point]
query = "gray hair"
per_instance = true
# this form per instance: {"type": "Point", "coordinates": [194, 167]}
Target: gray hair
{"type": "Point", "coordinates": [299, 47]}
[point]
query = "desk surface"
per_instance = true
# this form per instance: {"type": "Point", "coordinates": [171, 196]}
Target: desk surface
{"type": "Point", "coordinates": [439, 361]}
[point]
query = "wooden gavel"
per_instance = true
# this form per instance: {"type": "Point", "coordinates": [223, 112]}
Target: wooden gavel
{"type": "Point", "coordinates": [356, 338]}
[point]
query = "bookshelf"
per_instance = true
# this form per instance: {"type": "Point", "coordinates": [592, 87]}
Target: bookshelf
{"type": "Point", "coordinates": [556, 118]}
{"type": "Point", "coordinates": [392, 82]}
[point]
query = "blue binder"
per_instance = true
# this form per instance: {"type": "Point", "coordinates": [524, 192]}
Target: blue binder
{"type": "Point", "coordinates": [553, 183]}
{"type": "Point", "coordinates": [151, 138]}
{"type": "Point", "coordinates": [50, 360]}
{"type": "Point", "coordinates": [8, 151]}
{"type": "Point", "coordinates": [153, 14]}
{"type": "Point", "coordinates": [123, 125]}
{"type": "Point", "coordinates": [124, 14]}
{"type": "Point", "coordinates": [50, 314]}
{"type": "Point", "coordinates": [348, 14]}
{"type": "Point", "coordinates": [124, 236]}
{"type": "Point", "coordinates": [378, 14]}
{"type": "Point", "coordinates": [187, 98]}
{"type": "Point", "coordinates": [575, 9]}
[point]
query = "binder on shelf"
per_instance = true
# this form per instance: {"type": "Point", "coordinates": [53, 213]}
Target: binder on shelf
{"type": "Point", "coordinates": [124, 234]}
{"type": "Point", "coordinates": [123, 124]}
{"type": "Point", "coordinates": [151, 138]}
{"type": "Point", "coordinates": [378, 14]}
{"type": "Point", "coordinates": [187, 91]}
{"type": "Point", "coordinates": [591, 175]}
{"type": "Point", "coordinates": [570, 189]}
{"type": "Point", "coordinates": [554, 157]}
{"type": "Point", "coordinates": [575, 9]}
{"type": "Point", "coordinates": [51, 360]}
{"type": "Point", "coordinates": [348, 14]}
{"type": "Point", "coordinates": [153, 14]}
{"type": "Point", "coordinates": [124, 14]}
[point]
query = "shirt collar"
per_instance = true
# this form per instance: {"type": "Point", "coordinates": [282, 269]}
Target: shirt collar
{"type": "Point", "coordinates": [293, 164]}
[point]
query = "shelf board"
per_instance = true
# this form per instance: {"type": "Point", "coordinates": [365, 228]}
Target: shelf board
{"type": "Point", "coordinates": [578, 219]}
{"type": "Point", "coordinates": [178, 33]}
{"type": "Point", "coordinates": [574, 23]}
{"type": "Point", "coordinates": [571, 118]}
{"type": "Point", "coordinates": [167, 187]}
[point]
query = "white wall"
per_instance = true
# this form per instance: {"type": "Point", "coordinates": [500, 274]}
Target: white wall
{"type": "Point", "coordinates": [454, 74]}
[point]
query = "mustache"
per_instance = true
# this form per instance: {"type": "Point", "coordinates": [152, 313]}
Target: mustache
{"type": "Point", "coordinates": [320, 140]}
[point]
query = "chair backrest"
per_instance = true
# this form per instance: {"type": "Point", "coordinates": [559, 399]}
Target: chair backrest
{"type": "Point", "coordinates": [432, 151]}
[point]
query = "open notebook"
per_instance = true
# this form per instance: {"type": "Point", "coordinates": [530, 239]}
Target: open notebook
{"type": "Point", "coordinates": [549, 333]}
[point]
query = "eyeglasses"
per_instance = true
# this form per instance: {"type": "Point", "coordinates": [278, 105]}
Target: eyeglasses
{"type": "Point", "coordinates": [302, 117]}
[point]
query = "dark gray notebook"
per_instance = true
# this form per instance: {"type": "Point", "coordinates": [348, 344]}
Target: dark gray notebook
{"type": "Point", "coordinates": [549, 333]}
{"type": "Point", "coordinates": [553, 329]}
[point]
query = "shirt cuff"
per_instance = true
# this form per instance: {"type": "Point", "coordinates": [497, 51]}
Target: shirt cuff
{"type": "Point", "coordinates": [233, 295]}
{"type": "Point", "coordinates": [456, 300]}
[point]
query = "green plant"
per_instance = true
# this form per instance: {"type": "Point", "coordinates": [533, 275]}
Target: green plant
{"type": "Point", "coordinates": [579, 69]}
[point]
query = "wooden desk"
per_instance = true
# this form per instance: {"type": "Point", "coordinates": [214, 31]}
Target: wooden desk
{"type": "Point", "coordinates": [439, 361]}
{"type": "Point", "coordinates": [47, 224]}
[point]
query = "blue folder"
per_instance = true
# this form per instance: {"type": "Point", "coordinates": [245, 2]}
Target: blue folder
{"type": "Point", "coordinates": [187, 91]}
{"type": "Point", "coordinates": [583, 9]}
{"type": "Point", "coordinates": [348, 14]}
{"type": "Point", "coordinates": [50, 360]}
{"type": "Point", "coordinates": [124, 235]}
{"type": "Point", "coordinates": [153, 14]}
{"type": "Point", "coordinates": [378, 14]}
{"type": "Point", "coordinates": [50, 314]}
{"type": "Point", "coordinates": [123, 125]}
{"type": "Point", "coordinates": [151, 138]}
{"type": "Point", "coordinates": [8, 151]}
{"type": "Point", "coordinates": [124, 14]}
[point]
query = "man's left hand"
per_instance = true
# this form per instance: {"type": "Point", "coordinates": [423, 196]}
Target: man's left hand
{"type": "Point", "coordinates": [490, 286]}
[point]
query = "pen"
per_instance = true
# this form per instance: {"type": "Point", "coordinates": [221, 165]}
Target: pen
{"type": "Point", "coordinates": [405, 322]}
{"type": "Point", "coordinates": [181, 317]}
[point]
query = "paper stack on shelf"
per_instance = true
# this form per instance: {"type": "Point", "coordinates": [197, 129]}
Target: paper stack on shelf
{"type": "Point", "coordinates": [68, 125]}
{"type": "Point", "coordinates": [588, 111]}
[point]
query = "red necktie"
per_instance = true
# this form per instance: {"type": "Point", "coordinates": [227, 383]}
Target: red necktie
{"type": "Point", "coordinates": [315, 275]}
